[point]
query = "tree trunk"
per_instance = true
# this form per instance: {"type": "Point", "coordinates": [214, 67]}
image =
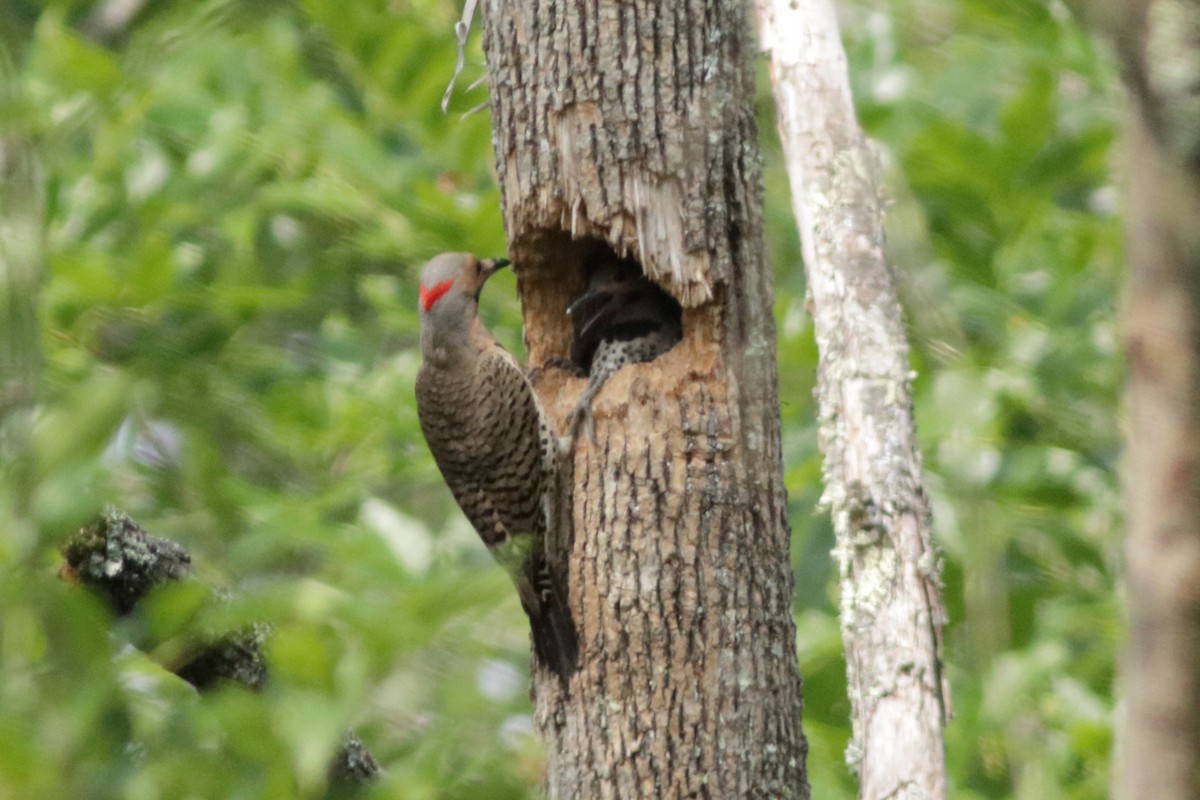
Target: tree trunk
{"type": "Point", "coordinates": [891, 610]}
{"type": "Point", "coordinates": [1159, 753]}
{"type": "Point", "coordinates": [1159, 756]}
{"type": "Point", "coordinates": [628, 128]}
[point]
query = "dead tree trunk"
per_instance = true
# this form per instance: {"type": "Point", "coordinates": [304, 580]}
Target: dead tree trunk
{"type": "Point", "coordinates": [891, 609]}
{"type": "Point", "coordinates": [1159, 753]}
{"type": "Point", "coordinates": [628, 128]}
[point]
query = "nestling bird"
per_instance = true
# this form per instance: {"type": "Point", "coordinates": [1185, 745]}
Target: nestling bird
{"type": "Point", "coordinates": [493, 444]}
{"type": "Point", "coordinates": [621, 318]}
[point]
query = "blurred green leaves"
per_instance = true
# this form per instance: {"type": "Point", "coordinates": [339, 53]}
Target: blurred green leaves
{"type": "Point", "coordinates": [236, 199]}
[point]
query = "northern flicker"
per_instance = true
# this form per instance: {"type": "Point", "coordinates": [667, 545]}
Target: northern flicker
{"type": "Point", "coordinates": [621, 318]}
{"type": "Point", "coordinates": [492, 443]}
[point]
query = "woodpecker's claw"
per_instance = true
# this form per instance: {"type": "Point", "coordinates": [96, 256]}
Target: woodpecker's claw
{"type": "Point", "coordinates": [564, 364]}
{"type": "Point", "coordinates": [581, 417]}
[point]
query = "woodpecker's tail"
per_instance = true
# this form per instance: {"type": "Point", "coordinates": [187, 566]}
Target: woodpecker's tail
{"type": "Point", "coordinates": [555, 640]}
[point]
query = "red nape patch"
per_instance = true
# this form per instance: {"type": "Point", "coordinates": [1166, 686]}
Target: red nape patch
{"type": "Point", "coordinates": [431, 296]}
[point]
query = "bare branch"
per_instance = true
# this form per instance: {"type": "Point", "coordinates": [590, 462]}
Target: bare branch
{"type": "Point", "coordinates": [891, 610]}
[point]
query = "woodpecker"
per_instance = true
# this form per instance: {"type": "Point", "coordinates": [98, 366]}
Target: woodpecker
{"type": "Point", "coordinates": [493, 444]}
{"type": "Point", "coordinates": [621, 318]}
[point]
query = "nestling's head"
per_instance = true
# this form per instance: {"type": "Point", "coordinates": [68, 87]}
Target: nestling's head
{"type": "Point", "coordinates": [450, 285]}
{"type": "Point", "coordinates": [608, 286]}
{"type": "Point", "coordinates": [620, 303]}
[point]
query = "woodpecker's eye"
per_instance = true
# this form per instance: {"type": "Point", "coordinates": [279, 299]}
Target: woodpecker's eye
{"type": "Point", "coordinates": [478, 267]}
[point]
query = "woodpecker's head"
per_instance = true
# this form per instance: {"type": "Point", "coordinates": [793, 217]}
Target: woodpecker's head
{"type": "Point", "coordinates": [450, 285]}
{"type": "Point", "coordinates": [608, 287]}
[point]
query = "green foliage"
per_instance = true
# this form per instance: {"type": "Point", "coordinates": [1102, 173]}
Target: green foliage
{"type": "Point", "coordinates": [236, 198]}
{"type": "Point", "coordinates": [996, 128]}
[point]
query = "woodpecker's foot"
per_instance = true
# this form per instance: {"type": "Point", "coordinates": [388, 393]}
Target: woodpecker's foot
{"type": "Point", "coordinates": [565, 365]}
{"type": "Point", "coordinates": [581, 417]}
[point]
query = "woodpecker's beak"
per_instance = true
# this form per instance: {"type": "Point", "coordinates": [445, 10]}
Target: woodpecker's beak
{"type": "Point", "coordinates": [490, 265]}
{"type": "Point", "coordinates": [588, 303]}
{"type": "Point", "coordinates": [593, 310]}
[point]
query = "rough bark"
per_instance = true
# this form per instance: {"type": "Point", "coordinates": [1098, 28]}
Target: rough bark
{"type": "Point", "coordinates": [891, 611]}
{"type": "Point", "coordinates": [628, 128]}
{"type": "Point", "coordinates": [1159, 751]}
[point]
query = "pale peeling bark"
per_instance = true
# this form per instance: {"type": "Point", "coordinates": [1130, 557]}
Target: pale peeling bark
{"type": "Point", "coordinates": [1158, 753]}
{"type": "Point", "coordinates": [629, 126]}
{"type": "Point", "coordinates": [891, 612]}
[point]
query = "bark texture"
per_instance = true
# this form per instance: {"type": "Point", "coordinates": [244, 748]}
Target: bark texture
{"type": "Point", "coordinates": [627, 128]}
{"type": "Point", "coordinates": [1159, 744]}
{"type": "Point", "coordinates": [891, 610]}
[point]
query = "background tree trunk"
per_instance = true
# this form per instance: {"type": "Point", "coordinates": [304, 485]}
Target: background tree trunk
{"type": "Point", "coordinates": [628, 127]}
{"type": "Point", "coordinates": [891, 609]}
{"type": "Point", "coordinates": [1159, 752]}
{"type": "Point", "coordinates": [1160, 742]}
